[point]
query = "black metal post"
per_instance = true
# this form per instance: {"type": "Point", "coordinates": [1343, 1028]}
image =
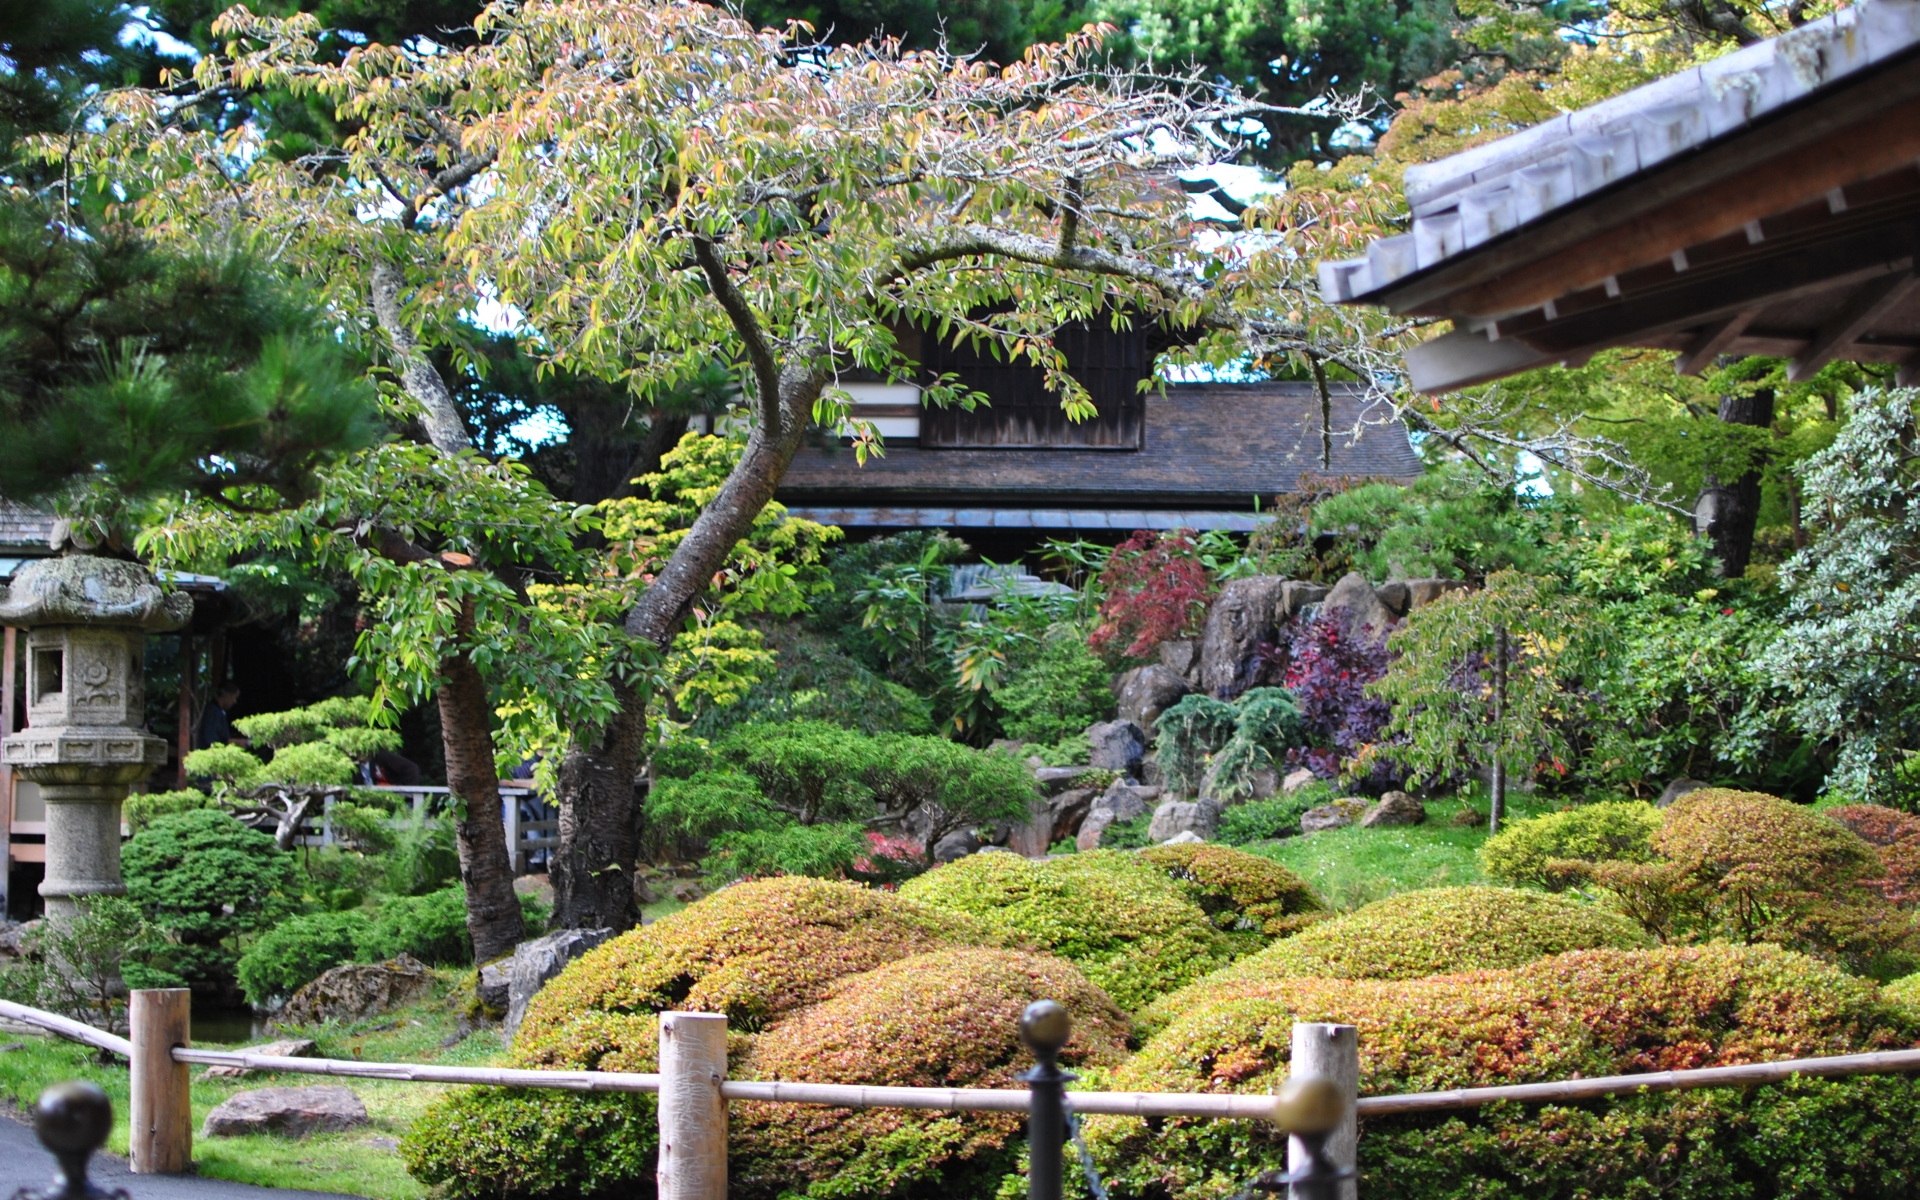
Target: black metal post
{"type": "Point", "coordinates": [1311, 1109]}
{"type": "Point", "coordinates": [73, 1120]}
{"type": "Point", "coordinates": [1045, 1027]}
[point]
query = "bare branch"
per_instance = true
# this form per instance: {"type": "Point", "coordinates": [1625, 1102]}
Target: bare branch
{"type": "Point", "coordinates": [766, 369]}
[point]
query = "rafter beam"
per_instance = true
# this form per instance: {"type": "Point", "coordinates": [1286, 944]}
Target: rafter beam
{"type": "Point", "coordinates": [1867, 305]}
{"type": "Point", "coordinates": [1713, 341]}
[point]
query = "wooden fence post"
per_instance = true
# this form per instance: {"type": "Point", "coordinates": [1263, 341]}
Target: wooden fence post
{"type": "Point", "coordinates": [161, 1116]}
{"type": "Point", "coordinates": [693, 1117]}
{"type": "Point", "coordinates": [1332, 1052]}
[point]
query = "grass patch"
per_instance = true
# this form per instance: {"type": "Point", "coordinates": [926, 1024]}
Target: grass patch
{"type": "Point", "coordinates": [361, 1162]}
{"type": "Point", "coordinates": [1353, 866]}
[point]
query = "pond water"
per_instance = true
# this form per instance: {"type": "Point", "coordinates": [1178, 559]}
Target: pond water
{"type": "Point", "coordinates": [227, 1026]}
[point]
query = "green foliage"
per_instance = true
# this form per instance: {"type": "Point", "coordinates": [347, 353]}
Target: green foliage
{"type": "Point", "coordinates": [75, 965]}
{"type": "Point", "coordinates": [432, 928]}
{"type": "Point", "coordinates": [1441, 681]}
{"type": "Point", "coordinates": [361, 743]}
{"type": "Point", "coordinates": [484, 1143]}
{"type": "Point", "coordinates": [1128, 925]}
{"type": "Point", "coordinates": [225, 763]}
{"type": "Point", "coordinates": [309, 762]}
{"type": "Point", "coordinates": [424, 858]}
{"type": "Point", "coordinates": [1261, 820]}
{"type": "Point", "coordinates": [288, 956]}
{"type": "Point", "coordinates": [1128, 835]}
{"type": "Point", "coordinates": [1061, 692]}
{"type": "Point", "coordinates": [1583, 1014]}
{"type": "Point", "coordinates": [829, 851]}
{"type": "Point", "coordinates": [206, 881]}
{"type": "Point", "coordinates": [1446, 524]}
{"type": "Point", "coordinates": [1848, 655]}
{"type": "Point", "coordinates": [949, 1018]}
{"type": "Point", "coordinates": [1250, 898]}
{"type": "Point", "coordinates": [141, 808]}
{"type": "Point", "coordinates": [277, 729]}
{"type": "Point", "coordinates": [1525, 852]}
{"type": "Point", "coordinates": [1188, 733]}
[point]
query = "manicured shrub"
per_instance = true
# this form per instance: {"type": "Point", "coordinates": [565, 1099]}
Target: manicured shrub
{"type": "Point", "coordinates": [206, 880]}
{"type": "Point", "coordinates": [1588, 1013]}
{"type": "Point", "coordinates": [432, 928]}
{"type": "Point", "coordinates": [1896, 835]}
{"type": "Point", "coordinates": [945, 1019]}
{"type": "Point", "coordinates": [295, 952]}
{"type": "Point", "coordinates": [1904, 993]}
{"type": "Point", "coordinates": [1127, 924]}
{"type": "Point", "coordinates": [1250, 898]}
{"type": "Point", "coordinates": [309, 762]}
{"type": "Point", "coordinates": [486, 1143]}
{"type": "Point", "coordinates": [1261, 820]}
{"type": "Point", "coordinates": [753, 951]}
{"type": "Point", "coordinates": [1059, 694]}
{"type": "Point", "coordinates": [142, 809]}
{"type": "Point", "coordinates": [1749, 867]}
{"type": "Point", "coordinates": [1156, 588]}
{"type": "Point", "coordinates": [1439, 931]}
{"type": "Point", "coordinates": [1535, 850]}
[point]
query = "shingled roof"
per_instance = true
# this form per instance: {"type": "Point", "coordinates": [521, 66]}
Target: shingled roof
{"type": "Point", "coordinates": [1761, 203]}
{"type": "Point", "coordinates": [1224, 447]}
{"type": "Point", "coordinates": [24, 529]}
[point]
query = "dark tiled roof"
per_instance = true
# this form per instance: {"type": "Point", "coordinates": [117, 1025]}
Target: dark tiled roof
{"type": "Point", "coordinates": [23, 528]}
{"type": "Point", "coordinates": [1207, 445]}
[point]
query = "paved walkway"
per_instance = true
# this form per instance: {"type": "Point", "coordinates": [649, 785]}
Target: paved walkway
{"type": "Point", "coordinates": [24, 1163]}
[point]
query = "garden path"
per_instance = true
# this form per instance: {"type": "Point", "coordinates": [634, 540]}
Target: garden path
{"type": "Point", "coordinates": [23, 1163]}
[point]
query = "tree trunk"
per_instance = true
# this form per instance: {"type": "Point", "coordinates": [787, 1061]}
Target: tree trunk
{"type": "Point", "coordinates": [1736, 515]}
{"type": "Point", "coordinates": [592, 873]}
{"type": "Point", "coordinates": [493, 910]}
{"type": "Point", "coordinates": [1497, 782]}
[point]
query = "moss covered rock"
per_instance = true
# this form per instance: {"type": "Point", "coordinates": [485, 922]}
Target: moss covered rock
{"type": "Point", "coordinates": [1587, 1013]}
{"type": "Point", "coordinates": [945, 1019]}
{"type": "Point", "coordinates": [1243, 894]}
{"type": "Point", "coordinates": [1415, 934]}
{"type": "Point", "coordinates": [1125, 922]}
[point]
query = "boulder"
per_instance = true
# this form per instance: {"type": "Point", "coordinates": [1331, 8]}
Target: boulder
{"type": "Point", "coordinates": [1175, 817]}
{"type": "Point", "coordinates": [1246, 613]}
{"type": "Point", "coordinates": [1189, 838]}
{"type": "Point", "coordinates": [1117, 745]}
{"type": "Point", "coordinates": [492, 990]}
{"type": "Point", "coordinates": [1031, 836]}
{"type": "Point", "coordinates": [289, 1112]}
{"type": "Point", "coordinates": [1057, 779]}
{"type": "Point", "coordinates": [1296, 780]}
{"type": "Point", "coordinates": [1337, 814]}
{"type": "Point", "coordinates": [356, 991]}
{"type": "Point", "coordinates": [1296, 594]}
{"type": "Point", "coordinates": [1146, 692]}
{"type": "Point", "coordinates": [536, 962]}
{"type": "Point", "coordinates": [1266, 784]}
{"type": "Point", "coordinates": [1422, 592]}
{"type": "Point", "coordinates": [958, 844]}
{"type": "Point", "coordinates": [1396, 596]}
{"type": "Point", "coordinates": [1395, 808]}
{"type": "Point", "coordinates": [284, 1048]}
{"type": "Point", "coordinates": [1180, 656]}
{"type": "Point", "coordinates": [1365, 610]}
{"type": "Point", "coordinates": [1678, 788]}
{"type": "Point", "coordinates": [1068, 811]}
{"type": "Point", "coordinates": [1122, 801]}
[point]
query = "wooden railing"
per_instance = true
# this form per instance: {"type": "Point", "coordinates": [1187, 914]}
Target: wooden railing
{"type": "Point", "coordinates": [694, 1089]}
{"type": "Point", "coordinates": [525, 838]}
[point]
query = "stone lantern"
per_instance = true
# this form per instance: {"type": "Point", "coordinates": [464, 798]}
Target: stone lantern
{"type": "Point", "coordinates": [87, 619]}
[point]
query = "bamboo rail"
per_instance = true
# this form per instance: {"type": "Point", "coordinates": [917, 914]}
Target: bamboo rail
{"type": "Point", "coordinates": [1230, 1106]}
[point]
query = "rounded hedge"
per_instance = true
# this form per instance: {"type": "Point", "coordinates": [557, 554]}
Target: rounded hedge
{"type": "Point", "coordinates": [1439, 931]}
{"type": "Point", "coordinates": [1896, 836]}
{"type": "Point", "coordinates": [1526, 851]}
{"type": "Point", "coordinates": [1241, 893]}
{"type": "Point", "coordinates": [753, 951]}
{"type": "Point", "coordinates": [1586, 1013]}
{"type": "Point", "coordinates": [1123, 921]}
{"type": "Point", "coordinates": [946, 1019]}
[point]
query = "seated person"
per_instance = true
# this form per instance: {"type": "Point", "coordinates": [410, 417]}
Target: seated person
{"type": "Point", "coordinates": [215, 727]}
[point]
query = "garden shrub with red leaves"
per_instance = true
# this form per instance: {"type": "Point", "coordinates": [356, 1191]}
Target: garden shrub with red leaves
{"type": "Point", "coordinates": [1156, 590]}
{"type": "Point", "coordinates": [1896, 835]}
{"type": "Point", "coordinates": [1248, 897]}
{"type": "Point", "coordinates": [1438, 931]}
{"type": "Point", "coordinates": [946, 1019]}
{"type": "Point", "coordinates": [1582, 1014]}
{"type": "Point", "coordinates": [1749, 867]}
{"type": "Point", "coordinates": [1328, 670]}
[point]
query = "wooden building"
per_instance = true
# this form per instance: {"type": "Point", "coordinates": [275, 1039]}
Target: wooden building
{"type": "Point", "coordinates": [1767, 202]}
{"type": "Point", "coordinates": [1008, 475]}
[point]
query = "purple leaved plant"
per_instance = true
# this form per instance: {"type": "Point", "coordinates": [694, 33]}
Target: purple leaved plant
{"type": "Point", "coordinates": [1328, 668]}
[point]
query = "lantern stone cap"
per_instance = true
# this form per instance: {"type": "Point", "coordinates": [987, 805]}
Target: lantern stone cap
{"type": "Point", "coordinates": [84, 589]}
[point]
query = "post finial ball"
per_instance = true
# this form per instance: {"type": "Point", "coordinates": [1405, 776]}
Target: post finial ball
{"type": "Point", "coordinates": [73, 1118]}
{"type": "Point", "coordinates": [1309, 1104]}
{"type": "Point", "coordinates": [1045, 1027]}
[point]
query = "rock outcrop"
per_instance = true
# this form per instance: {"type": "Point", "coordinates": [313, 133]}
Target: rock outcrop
{"type": "Point", "coordinates": [1117, 746]}
{"type": "Point", "coordinates": [1122, 801]}
{"type": "Point", "coordinates": [1395, 808]}
{"type": "Point", "coordinates": [1145, 692]}
{"type": "Point", "coordinates": [536, 962]}
{"type": "Point", "coordinates": [289, 1112]}
{"type": "Point", "coordinates": [284, 1048]}
{"type": "Point", "coordinates": [1247, 613]}
{"type": "Point", "coordinates": [1175, 817]}
{"type": "Point", "coordinates": [356, 991]}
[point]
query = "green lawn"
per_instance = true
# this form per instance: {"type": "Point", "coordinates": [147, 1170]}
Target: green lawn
{"type": "Point", "coordinates": [1354, 866]}
{"type": "Point", "coordinates": [362, 1162]}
